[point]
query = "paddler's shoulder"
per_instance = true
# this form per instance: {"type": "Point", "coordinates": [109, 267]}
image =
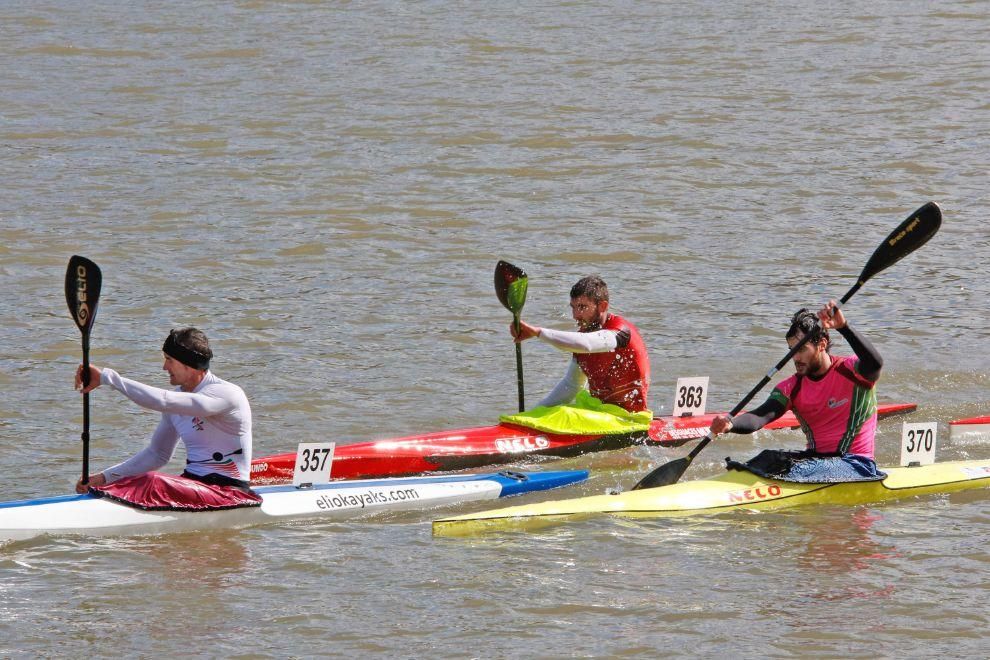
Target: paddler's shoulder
{"type": "Point", "coordinates": [213, 384]}
{"type": "Point", "coordinates": [616, 322]}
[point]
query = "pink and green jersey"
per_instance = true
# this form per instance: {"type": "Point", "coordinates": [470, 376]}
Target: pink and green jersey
{"type": "Point", "coordinates": [838, 413]}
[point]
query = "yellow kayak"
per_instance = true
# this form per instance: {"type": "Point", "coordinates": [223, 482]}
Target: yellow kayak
{"type": "Point", "coordinates": [733, 490]}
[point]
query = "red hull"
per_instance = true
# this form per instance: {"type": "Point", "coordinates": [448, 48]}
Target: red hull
{"type": "Point", "coordinates": [493, 445]}
{"type": "Point", "coordinates": [971, 420]}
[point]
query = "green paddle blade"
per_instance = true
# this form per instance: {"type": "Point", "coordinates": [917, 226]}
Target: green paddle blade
{"type": "Point", "coordinates": [83, 280]}
{"type": "Point", "coordinates": [511, 283]}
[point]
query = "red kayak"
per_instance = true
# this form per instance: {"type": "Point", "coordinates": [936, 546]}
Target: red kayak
{"type": "Point", "coordinates": [492, 445]}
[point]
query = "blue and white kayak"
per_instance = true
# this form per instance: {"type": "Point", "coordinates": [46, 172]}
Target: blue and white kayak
{"type": "Point", "coordinates": [335, 501]}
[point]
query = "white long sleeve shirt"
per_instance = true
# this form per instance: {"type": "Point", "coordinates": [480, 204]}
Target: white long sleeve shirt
{"type": "Point", "coordinates": [213, 422]}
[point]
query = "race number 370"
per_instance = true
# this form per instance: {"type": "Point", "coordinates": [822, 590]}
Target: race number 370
{"type": "Point", "coordinates": [918, 443]}
{"type": "Point", "coordinates": [313, 463]}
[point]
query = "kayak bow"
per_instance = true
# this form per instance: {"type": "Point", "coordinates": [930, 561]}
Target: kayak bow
{"type": "Point", "coordinates": [341, 500]}
{"type": "Point", "coordinates": [731, 491]}
{"type": "Point", "coordinates": [971, 426]}
{"type": "Point", "coordinates": [494, 445]}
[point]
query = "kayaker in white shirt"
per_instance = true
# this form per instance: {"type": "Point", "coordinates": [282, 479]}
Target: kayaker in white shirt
{"type": "Point", "coordinates": [211, 416]}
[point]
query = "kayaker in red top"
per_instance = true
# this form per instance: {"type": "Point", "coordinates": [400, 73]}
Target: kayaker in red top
{"type": "Point", "coordinates": [609, 354]}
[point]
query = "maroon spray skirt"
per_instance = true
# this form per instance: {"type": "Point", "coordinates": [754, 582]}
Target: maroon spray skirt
{"type": "Point", "coordinates": [155, 491]}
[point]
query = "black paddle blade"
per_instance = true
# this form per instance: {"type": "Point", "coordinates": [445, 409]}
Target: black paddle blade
{"type": "Point", "coordinates": [511, 283]}
{"type": "Point", "coordinates": [910, 235]}
{"type": "Point", "coordinates": [665, 475]}
{"type": "Point", "coordinates": [83, 280]}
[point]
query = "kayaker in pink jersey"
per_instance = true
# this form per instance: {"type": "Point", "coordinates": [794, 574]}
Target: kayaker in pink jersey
{"type": "Point", "coordinates": [211, 416]}
{"type": "Point", "coordinates": [609, 353]}
{"type": "Point", "coordinates": [833, 397]}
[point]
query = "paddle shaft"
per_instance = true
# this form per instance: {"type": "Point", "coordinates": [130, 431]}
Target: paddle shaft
{"type": "Point", "coordinates": [85, 431]}
{"type": "Point", "coordinates": [519, 369]}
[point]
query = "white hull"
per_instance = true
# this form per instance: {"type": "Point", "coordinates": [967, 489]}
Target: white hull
{"type": "Point", "coordinates": [959, 432]}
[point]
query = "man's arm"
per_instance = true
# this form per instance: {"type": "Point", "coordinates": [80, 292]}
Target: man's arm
{"type": "Point", "coordinates": [166, 401]}
{"type": "Point", "coordinates": [158, 452]}
{"type": "Point", "coordinates": [752, 421]}
{"type": "Point", "coordinates": [600, 341]}
{"type": "Point", "coordinates": [567, 388]}
{"type": "Point", "coordinates": [870, 361]}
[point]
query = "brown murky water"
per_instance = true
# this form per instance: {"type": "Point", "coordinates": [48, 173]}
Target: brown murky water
{"type": "Point", "coordinates": [325, 188]}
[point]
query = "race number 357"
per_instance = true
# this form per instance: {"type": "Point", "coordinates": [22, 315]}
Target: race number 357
{"type": "Point", "coordinates": [313, 463]}
{"type": "Point", "coordinates": [918, 443]}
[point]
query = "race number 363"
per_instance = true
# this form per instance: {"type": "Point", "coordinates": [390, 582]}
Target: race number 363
{"type": "Point", "coordinates": [690, 396]}
{"type": "Point", "coordinates": [313, 463]}
{"type": "Point", "coordinates": [918, 443]}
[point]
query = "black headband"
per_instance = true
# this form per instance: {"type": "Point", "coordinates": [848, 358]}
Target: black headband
{"type": "Point", "coordinates": [186, 356]}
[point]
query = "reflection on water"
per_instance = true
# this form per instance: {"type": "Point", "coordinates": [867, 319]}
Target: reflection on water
{"type": "Point", "coordinates": [205, 563]}
{"type": "Point", "coordinates": [844, 542]}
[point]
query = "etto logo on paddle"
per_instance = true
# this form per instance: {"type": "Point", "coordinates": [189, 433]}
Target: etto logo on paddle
{"type": "Point", "coordinates": [754, 494]}
{"type": "Point", "coordinates": [521, 444]}
{"type": "Point", "coordinates": [82, 307]}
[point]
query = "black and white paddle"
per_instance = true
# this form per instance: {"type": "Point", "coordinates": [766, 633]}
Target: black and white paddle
{"type": "Point", "coordinates": [83, 281]}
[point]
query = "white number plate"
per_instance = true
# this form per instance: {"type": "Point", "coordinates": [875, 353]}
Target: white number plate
{"type": "Point", "coordinates": [918, 443]}
{"type": "Point", "coordinates": [313, 462]}
{"type": "Point", "coordinates": [690, 396]}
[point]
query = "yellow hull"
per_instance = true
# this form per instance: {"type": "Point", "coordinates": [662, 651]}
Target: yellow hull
{"type": "Point", "coordinates": [730, 491]}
